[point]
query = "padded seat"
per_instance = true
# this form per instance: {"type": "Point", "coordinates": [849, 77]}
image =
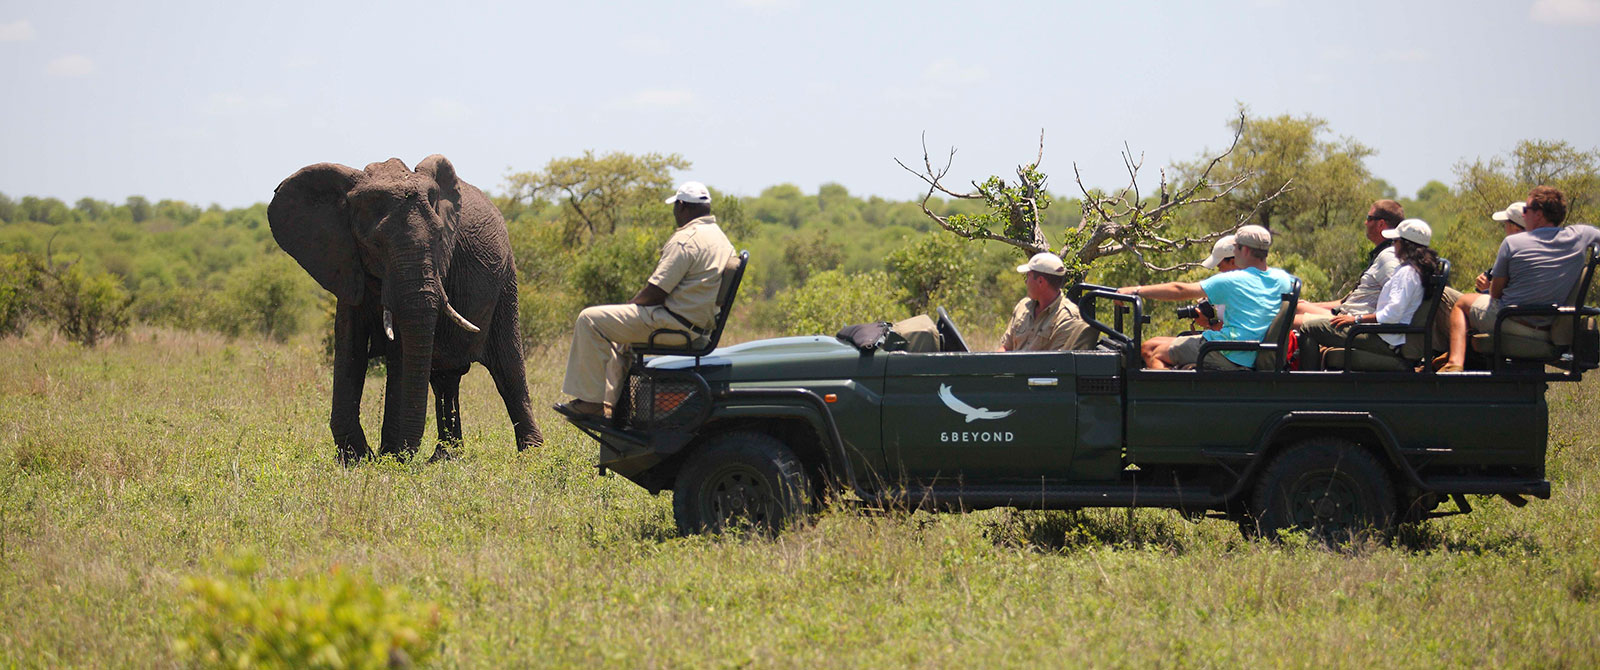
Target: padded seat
{"type": "Point", "coordinates": [1418, 346]}
{"type": "Point", "coordinates": [1271, 350]}
{"type": "Point", "coordinates": [1571, 323]}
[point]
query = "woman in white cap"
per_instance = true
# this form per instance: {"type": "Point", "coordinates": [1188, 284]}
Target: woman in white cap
{"type": "Point", "coordinates": [1402, 294]}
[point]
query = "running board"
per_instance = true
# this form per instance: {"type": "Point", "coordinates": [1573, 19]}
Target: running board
{"type": "Point", "coordinates": [1538, 488]}
{"type": "Point", "coordinates": [1033, 497]}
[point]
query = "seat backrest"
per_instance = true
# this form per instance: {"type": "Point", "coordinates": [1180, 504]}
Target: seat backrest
{"type": "Point", "coordinates": [1418, 341]}
{"type": "Point", "coordinates": [1278, 332]}
{"type": "Point", "coordinates": [1561, 329]}
{"type": "Point", "coordinates": [732, 277]}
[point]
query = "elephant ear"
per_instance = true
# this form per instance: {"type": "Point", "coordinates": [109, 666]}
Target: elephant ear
{"type": "Point", "coordinates": [447, 201]}
{"type": "Point", "coordinates": [310, 219]}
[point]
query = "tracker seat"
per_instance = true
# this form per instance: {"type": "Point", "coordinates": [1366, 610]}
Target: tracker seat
{"type": "Point", "coordinates": [696, 342]}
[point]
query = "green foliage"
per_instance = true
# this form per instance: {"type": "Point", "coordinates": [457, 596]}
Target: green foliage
{"type": "Point", "coordinates": [267, 298]}
{"type": "Point", "coordinates": [615, 267]}
{"type": "Point", "coordinates": [86, 307]}
{"type": "Point", "coordinates": [808, 253]}
{"type": "Point", "coordinates": [545, 315]}
{"type": "Point", "coordinates": [833, 299]}
{"type": "Point", "coordinates": [21, 286]}
{"type": "Point", "coordinates": [598, 195]}
{"type": "Point", "coordinates": [1014, 210]}
{"type": "Point", "coordinates": [335, 620]}
{"type": "Point", "coordinates": [929, 263]}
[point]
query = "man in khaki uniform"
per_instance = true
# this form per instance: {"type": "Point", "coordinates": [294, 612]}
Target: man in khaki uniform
{"type": "Point", "coordinates": [680, 295]}
{"type": "Point", "coordinates": [1045, 321]}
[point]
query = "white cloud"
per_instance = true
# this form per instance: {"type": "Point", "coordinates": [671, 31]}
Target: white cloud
{"type": "Point", "coordinates": [758, 4]}
{"type": "Point", "coordinates": [16, 31]}
{"type": "Point", "coordinates": [947, 71]}
{"type": "Point", "coordinates": [447, 110]}
{"type": "Point", "coordinates": [76, 65]}
{"type": "Point", "coordinates": [675, 97]}
{"type": "Point", "coordinates": [1581, 12]}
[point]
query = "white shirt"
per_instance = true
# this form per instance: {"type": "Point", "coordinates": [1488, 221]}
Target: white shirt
{"type": "Point", "coordinates": [1398, 300]}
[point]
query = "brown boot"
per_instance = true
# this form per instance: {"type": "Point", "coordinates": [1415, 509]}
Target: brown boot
{"type": "Point", "coordinates": [581, 408]}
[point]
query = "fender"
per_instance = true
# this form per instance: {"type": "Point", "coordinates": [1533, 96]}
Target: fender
{"type": "Point", "coordinates": [1364, 420]}
{"type": "Point", "coordinates": [792, 403]}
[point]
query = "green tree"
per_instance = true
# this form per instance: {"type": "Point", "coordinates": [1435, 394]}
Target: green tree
{"type": "Point", "coordinates": [811, 252]}
{"type": "Point", "coordinates": [138, 208]}
{"type": "Point", "coordinates": [1487, 185]}
{"type": "Point", "coordinates": [597, 195]}
{"type": "Point", "coordinates": [832, 300]}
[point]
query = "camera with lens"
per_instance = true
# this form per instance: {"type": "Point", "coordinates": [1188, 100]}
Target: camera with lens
{"type": "Point", "coordinates": [1194, 311]}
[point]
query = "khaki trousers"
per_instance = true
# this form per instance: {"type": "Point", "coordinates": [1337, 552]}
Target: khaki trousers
{"type": "Point", "coordinates": [600, 340]}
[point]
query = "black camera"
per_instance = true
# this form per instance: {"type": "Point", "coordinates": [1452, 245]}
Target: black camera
{"type": "Point", "coordinates": [1489, 273]}
{"type": "Point", "coordinates": [1194, 311]}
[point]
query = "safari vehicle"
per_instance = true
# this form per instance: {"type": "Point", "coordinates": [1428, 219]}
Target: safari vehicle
{"type": "Point", "coordinates": [758, 432]}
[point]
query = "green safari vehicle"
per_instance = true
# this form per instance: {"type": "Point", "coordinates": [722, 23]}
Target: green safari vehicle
{"type": "Point", "coordinates": [758, 433]}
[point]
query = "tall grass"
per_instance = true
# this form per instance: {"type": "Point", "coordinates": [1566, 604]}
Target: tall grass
{"type": "Point", "coordinates": [126, 468]}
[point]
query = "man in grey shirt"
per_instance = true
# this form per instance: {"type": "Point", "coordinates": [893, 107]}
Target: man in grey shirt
{"type": "Point", "coordinates": [1314, 320]}
{"type": "Point", "coordinates": [1538, 267]}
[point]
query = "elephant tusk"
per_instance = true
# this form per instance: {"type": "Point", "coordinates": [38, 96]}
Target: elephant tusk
{"type": "Point", "coordinates": [460, 320]}
{"type": "Point", "coordinates": [388, 325]}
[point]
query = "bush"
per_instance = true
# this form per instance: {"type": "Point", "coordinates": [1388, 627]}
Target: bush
{"type": "Point", "coordinates": [86, 307]}
{"type": "Point", "coordinates": [616, 266]}
{"type": "Point", "coordinates": [832, 300]}
{"type": "Point", "coordinates": [324, 621]}
{"type": "Point", "coordinates": [267, 298]}
{"type": "Point", "coordinates": [20, 289]}
{"type": "Point", "coordinates": [545, 315]}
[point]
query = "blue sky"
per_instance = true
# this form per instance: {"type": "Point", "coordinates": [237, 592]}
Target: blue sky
{"type": "Point", "coordinates": [218, 101]}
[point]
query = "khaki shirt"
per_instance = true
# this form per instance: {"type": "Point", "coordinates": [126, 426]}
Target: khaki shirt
{"type": "Point", "coordinates": [1058, 327]}
{"type": "Point", "coordinates": [690, 271]}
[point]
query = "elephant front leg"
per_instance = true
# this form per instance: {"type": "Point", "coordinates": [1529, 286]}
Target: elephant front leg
{"type": "Point", "coordinates": [349, 377]}
{"type": "Point", "coordinates": [447, 410]}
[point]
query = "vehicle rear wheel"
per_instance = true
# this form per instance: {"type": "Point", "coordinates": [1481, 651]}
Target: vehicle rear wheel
{"type": "Point", "coordinates": [740, 480]}
{"type": "Point", "coordinates": [1328, 486]}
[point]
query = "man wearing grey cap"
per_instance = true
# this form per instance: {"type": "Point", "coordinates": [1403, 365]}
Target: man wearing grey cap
{"type": "Point", "coordinates": [1044, 320]}
{"type": "Point", "coordinates": [1246, 301]}
{"type": "Point", "coordinates": [680, 295]}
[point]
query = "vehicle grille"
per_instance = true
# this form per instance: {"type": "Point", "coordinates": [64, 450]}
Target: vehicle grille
{"type": "Point", "coordinates": [665, 402]}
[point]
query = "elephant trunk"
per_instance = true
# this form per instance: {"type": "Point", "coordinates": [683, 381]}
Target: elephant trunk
{"type": "Point", "coordinates": [415, 303]}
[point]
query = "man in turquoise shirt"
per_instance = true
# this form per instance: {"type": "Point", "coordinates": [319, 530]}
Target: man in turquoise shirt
{"type": "Point", "coordinates": [1246, 301]}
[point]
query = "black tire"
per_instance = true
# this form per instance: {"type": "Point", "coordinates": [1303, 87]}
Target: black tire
{"type": "Point", "coordinates": [1328, 486]}
{"type": "Point", "coordinates": [741, 480]}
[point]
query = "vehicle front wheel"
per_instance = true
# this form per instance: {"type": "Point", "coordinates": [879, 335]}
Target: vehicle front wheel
{"type": "Point", "coordinates": [1329, 487]}
{"type": "Point", "coordinates": [740, 480]}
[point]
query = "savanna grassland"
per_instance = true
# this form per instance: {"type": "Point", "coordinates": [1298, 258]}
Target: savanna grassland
{"type": "Point", "coordinates": [128, 467]}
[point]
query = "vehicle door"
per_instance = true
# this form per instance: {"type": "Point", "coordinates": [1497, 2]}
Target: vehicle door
{"type": "Point", "coordinates": [980, 418]}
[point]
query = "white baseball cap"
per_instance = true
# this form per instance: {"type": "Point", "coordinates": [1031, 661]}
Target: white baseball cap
{"type": "Point", "coordinates": [1222, 250]}
{"type": "Point", "coordinates": [692, 192]}
{"type": "Point", "coordinates": [1512, 213]}
{"type": "Point", "coordinates": [1411, 230]}
{"type": "Point", "coordinates": [1044, 263]}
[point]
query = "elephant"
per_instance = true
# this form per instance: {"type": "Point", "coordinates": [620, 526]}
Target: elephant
{"type": "Point", "coordinates": [420, 264]}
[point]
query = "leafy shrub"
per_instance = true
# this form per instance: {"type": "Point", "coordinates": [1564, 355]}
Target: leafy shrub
{"type": "Point", "coordinates": [616, 266]}
{"type": "Point", "coordinates": [268, 297]}
{"type": "Point", "coordinates": [544, 314]}
{"type": "Point", "coordinates": [87, 307]}
{"type": "Point", "coordinates": [330, 620]}
{"type": "Point", "coordinates": [831, 300]}
{"type": "Point", "coordinates": [20, 288]}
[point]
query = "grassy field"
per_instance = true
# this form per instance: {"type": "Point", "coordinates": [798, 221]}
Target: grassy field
{"type": "Point", "coordinates": [126, 468]}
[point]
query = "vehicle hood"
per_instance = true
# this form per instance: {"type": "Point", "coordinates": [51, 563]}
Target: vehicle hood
{"type": "Point", "coordinates": [802, 357]}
